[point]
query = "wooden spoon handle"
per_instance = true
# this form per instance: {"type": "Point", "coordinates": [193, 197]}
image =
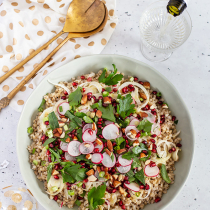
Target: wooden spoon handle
{"type": "Point", "coordinates": [5, 76]}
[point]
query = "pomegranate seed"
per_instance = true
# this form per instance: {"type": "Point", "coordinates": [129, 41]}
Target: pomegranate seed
{"type": "Point", "coordinates": [173, 149]}
{"type": "Point", "coordinates": [141, 187]}
{"type": "Point", "coordinates": [114, 144]}
{"type": "Point", "coordinates": [125, 90]}
{"type": "Point", "coordinates": [117, 164]}
{"type": "Point", "coordinates": [43, 137]}
{"type": "Point", "coordinates": [152, 140]}
{"type": "Point", "coordinates": [100, 136]}
{"type": "Point", "coordinates": [145, 152]}
{"type": "Point", "coordinates": [154, 135]}
{"type": "Point", "coordinates": [173, 118]}
{"type": "Point", "coordinates": [79, 198]}
{"type": "Point", "coordinates": [65, 93]}
{"type": "Point", "coordinates": [56, 167]}
{"type": "Point", "coordinates": [170, 151]}
{"type": "Point", "coordinates": [154, 112]}
{"type": "Point", "coordinates": [179, 145]}
{"type": "Point", "coordinates": [126, 141]}
{"type": "Point", "coordinates": [102, 168]}
{"type": "Point", "coordinates": [152, 164]}
{"type": "Point", "coordinates": [56, 177]}
{"type": "Point", "coordinates": [89, 94]}
{"type": "Point", "coordinates": [158, 97]}
{"type": "Point", "coordinates": [127, 146]}
{"type": "Point", "coordinates": [95, 110]}
{"type": "Point", "coordinates": [130, 86]}
{"type": "Point", "coordinates": [131, 89]}
{"type": "Point", "coordinates": [82, 77]}
{"type": "Point", "coordinates": [89, 98]}
{"type": "Point", "coordinates": [157, 200]}
{"type": "Point", "coordinates": [140, 82]}
{"type": "Point", "coordinates": [48, 152]}
{"type": "Point", "coordinates": [162, 116]}
{"type": "Point", "coordinates": [83, 186]}
{"type": "Point", "coordinates": [75, 161]}
{"type": "Point", "coordinates": [144, 142]}
{"type": "Point", "coordinates": [83, 90]}
{"type": "Point", "coordinates": [93, 97]}
{"type": "Point", "coordinates": [154, 150]}
{"type": "Point", "coordinates": [160, 102]}
{"type": "Point", "coordinates": [83, 167]}
{"type": "Point", "coordinates": [115, 90]}
{"type": "Point", "coordinates": [51, 145]}
{"type": "Point", "coordinates": [68, 184]}
{"type": "Point", "coordinates": [110, 190]}
{"type": "Point", "coordinates": [100, 126]}
{"type": "Point", "coordinates": [68, 188]}
{"type": "Point", "coordinates": [105, 144]}
{"type": "Point", "coordinates": [114, 190]}
{"type": "Point", "coordinates": [147, 107]}
{"type": "Point", "coordinates": [100, 97]}
{"type": "Point", "coordinates": [123, 206]}
{"type": "Point", "coordinates": [113, 170]}
{"type": "Point", "coordinates": [55, 198]}
{"type": "Point", "coordinates": [82, 163]}
{"type": "Point", "coordinates": [126, 178]}
{"type": "Point", "coordinates": [138, 135]}
{"type": "Point", "coordinates": [154, 92]}
{"type": "Point", "coordinates": [147, 187]}
{"type": "Point", "coordinates": [99, 123]}
{"type": "Point", "coordinates": [127, 182]}
{"type": "Point", "coordinates": [89, 79]}
{"type": "Point", "coordinates": [120, 203]}
{"type": "Point", "coordinates": [136, 78]}
{"type": "Point", "coordinates": [103, 89]}
{"type": "Point", "coordinates": [138, 116]}
{"type": "Point", "coordinates": [85, 180]}
{"type": "Point", "coordinates": [74, 84]}
{"type": "Point", "coordinates": [63, 97]}
{"type": "Point", "coordinates": [90, 132]}
{"type": "Point", "coordinates": [162, 121]}
{"type": "Point", "coordinates": [100, 119]}
{"type": "Point", "coordinates": [154, 146]}
{"type": "Point", "coordinates": [63, 158]}
{"type": "Point", "coordinates": [96, 150]}
{"type": "Point", "coordinates": [128, 195]}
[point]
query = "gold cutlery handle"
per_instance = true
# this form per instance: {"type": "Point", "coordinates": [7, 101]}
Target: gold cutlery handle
{"type": "Point", "coordinates": [18, 66]}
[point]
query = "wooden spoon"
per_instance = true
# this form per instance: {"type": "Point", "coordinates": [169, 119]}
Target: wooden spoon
{"type": "Point", "coordinates": [6, 100]}
{"type": "Point", "coordinates": [82, 16]}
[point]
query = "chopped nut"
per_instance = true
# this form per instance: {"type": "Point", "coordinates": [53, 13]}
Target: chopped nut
{"type": "Point", "coordinates": [164, 106]}
{"type": "Point", "coordinates": [55, 131]}
{"type": "Point", "coordinates": [62, 135]}
{"type": "Point", "coordinates": [143, 114]}
{"type": "Point", "coordinates": [84, 99]}
{"type": "Point", "coordinates": [98, 169]}
{"type": "Point", "coordinates": [116, 183]}
{"type": "Point", "coordinates": [108, 152]}
{"type": "Point", "coordinates": [117, 125]}
{"type": "Point", "coordinates": [60, 130]}
{"type": "Point", "coordinates": [147, 162]}
{"type": "Point", "coordinates": [142, 95]}
{"type": "Point", "coordinates": [68, 140]}
{"type": "Point", "coordinates": [93, 126]}
{"type": "Point", "coordinates": [146, 85]}
{"type": "Point", "coordinates": [107, 176]}
{"type": "Point", "coordinates": [92, 178]}
{"type": "Point", "coordinates": [54, 172]}
{"type": "Point", "coordinates": [92, 114]}
{"type": "Point", "coordinates": [121, 178]}
{"type": "Point", "coordinates": [57, 134]}
{"type": "Point", "coordinates": [115, 176]}
{"type": "Point", "coordinates": [123, 130]}
{"type": "Point", "coordinates": [75, 138]}
{"type": "Point", "coordinates": [120, 151]}
{"type": "Point", "coordinates": [94, 167]}
{"type": "Point", "coordinates": [109, 145]}
{"type": "Point", "coordinates": [90, 172]}
{"type": "Point", "coordinates": [98, 141]}
{"type": "Point", "coordinates": [122, 191]}
{"type": "Point", "coordinates": [98, 114]}
{"type": "Point", "coordinates": [61, 123]}
{"type": "Point", "coordinates": [106, 169]}
{"type": "Point", "coordinates": [107, 100]}
{"type": "Point", "coordinates": [64, 119]}
{"type": "Point", "coordinates": [88, 156]}
{"type": "Point", "coordinates": [87, 145]}
{"type": "Point", "coordinates": [132, 134]}
{"type": "Point", "coordinates": [150, 147]}
{"type": "Point", "coordinates": [136, 143]}
{"type": "Point", "coordinates": [142, 155]}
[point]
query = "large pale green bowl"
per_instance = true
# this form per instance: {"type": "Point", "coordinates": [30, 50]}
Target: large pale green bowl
{"type": "Point", "coordinates": [129, 67]}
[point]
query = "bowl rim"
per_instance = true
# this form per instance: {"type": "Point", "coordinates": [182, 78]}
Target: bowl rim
{"type": "Point", "coordinates": [124, 58]}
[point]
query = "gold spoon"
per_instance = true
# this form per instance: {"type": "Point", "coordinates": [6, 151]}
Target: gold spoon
{"type": "Point", "coordinates": [82, 16]}
{"type": "Point", "coordinates": [6, 100]}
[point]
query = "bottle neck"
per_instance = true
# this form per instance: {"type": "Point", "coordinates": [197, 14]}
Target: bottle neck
{"type": "Point", "coordinates": [176, 7]}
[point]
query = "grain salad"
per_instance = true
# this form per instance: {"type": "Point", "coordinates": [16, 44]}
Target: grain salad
{"type": "Point", "coordinates": [104, 141]}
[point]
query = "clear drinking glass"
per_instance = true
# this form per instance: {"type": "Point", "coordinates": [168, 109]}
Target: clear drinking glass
{"type": "Point", "coordinates": [161, 33]}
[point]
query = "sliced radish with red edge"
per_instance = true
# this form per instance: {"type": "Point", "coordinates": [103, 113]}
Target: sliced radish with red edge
{"type": "Point", "coordinates": [107, 122]}
{"type": "Point", "coordinates": [124, 169]}
{"type": "Point", "coordinates": [110, 131]}
{"type": "Point", "coordinates": [127, 131]}
{"type": "Point", "coordinates": [87, 126]}
{"type": "Point", "coordinates": [151, 171]}
{"type": "Point", "coordinates": [97, 158]}
{"type": "Point", "coordinates": [89, 135]}
{"type": "Point", "coordinates": [107, 161]}
{"type": "Point", "coordinates": [100, 147]}
{"type": "Point", "coordinates": [73, 148]}
{"type": "Point", "coordinates": [86, 147]}
{"type": "Point", "coordinates": [124, 162]}
{"type": "Point", "coordinates": [69, 157]}
{"type": "Point", "coordinates": [65, 107]}
{"type": "Point", "coordinates": [64, 146]}
{"type": "Point", "coordinates": [133, 186]}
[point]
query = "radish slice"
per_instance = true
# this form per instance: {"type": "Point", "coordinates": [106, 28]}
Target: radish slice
{"type": "Point", "coordinates": [151, 118]}
{"type": "Point", "coordinates": [100, 147]}
{"type": "Point", "coordinates": [124, 169]}
{"type": "Point", "coordinates": [128, 133]}
{"type": "Point", "coordinates": [130, 148]}
{"type": "Point", "coordinates": [131, 118]}
{"type": "Point", "coordinates": [120, 135]}
{"type": "Point", "coordinates": [84, 110]}
{"type": "Point", "coordinates": [133, 186]}
{"type": "Point", "coordinates": [97, 158]}
{"type": "Point", "coordinates": [87, 136]}
{"type": "Point", "coordinates": [73, 148]}
{"type": "Point", "coordinates": [134, 122]}
{"type": "Point", "coordinates": [86, 147]}
{"type": "Point", "coordinates": [133, 102]}
{"type": "Point", "coordinates": [87, 126]}
{"type": "Point", "coordinates": [69, 157]}
{"type": "Point", "coordinates": [107, 122]}
{"type": "Point", "coordinates": [107, 161]}
{"type": "Point", "coordinates": [124, 162]}
{"type": "Point", "coordinates": [65, 107]}
{"type": "Point", "coordinates": [151, 171]}
{"type": "Point", "coordinates": [110, 131]}
{"type": "Point", "coordinates": [64, 146]}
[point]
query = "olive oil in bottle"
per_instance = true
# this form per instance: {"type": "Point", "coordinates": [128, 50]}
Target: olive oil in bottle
{"type": "Point", "coordinates": [176, 7]}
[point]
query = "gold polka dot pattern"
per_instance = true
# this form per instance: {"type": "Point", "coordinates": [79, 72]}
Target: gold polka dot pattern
{"type": "Point", "coordinates": [8, 193]}
{"type": "Point", "coordinates": [11, 207]}
{"type": "Point", "coordinates": [5, 69]}
{"type": "Point", "coordinates": [32, 8]}
{"type": "Point", "coordinates": [35, 22]}
{"type": "Point", "coordinates": [9, 48]}
{"type": "Point", "coordinates": [18, 56]}
{"type": "Point", "coordinates": [11, 26]}
{"type": "Point", "coordinates": [103, 41]}
{"type": "Point", "coordinates": [5, 88]}
{"type": "Point", "coordinates": [40, 33]}
{"type": "Point", "coordinates": [28, 205]}
{"type": "Point", "coordinates": [47, 19]}
{"type": "Point", "coordinates": [20, 102]}
{"type": "Point", "coordinates": [23, 89]}
{"type": "Point", "coordinates": [27, 37]}
{"type": "Point", "coordinates": [14, 4]}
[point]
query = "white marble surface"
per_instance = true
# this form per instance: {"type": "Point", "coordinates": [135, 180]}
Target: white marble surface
{"type": "Point", "coordinates": [188, 69]}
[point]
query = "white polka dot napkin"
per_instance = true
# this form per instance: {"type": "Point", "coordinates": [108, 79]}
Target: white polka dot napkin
{"type": "Point", "coordinates": [25, 25]}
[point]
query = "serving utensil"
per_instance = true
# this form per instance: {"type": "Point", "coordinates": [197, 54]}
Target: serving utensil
{"type": "Point", "coordinates": [6, 100]}
{"type": "Point", "coordinates": [82, 16]}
